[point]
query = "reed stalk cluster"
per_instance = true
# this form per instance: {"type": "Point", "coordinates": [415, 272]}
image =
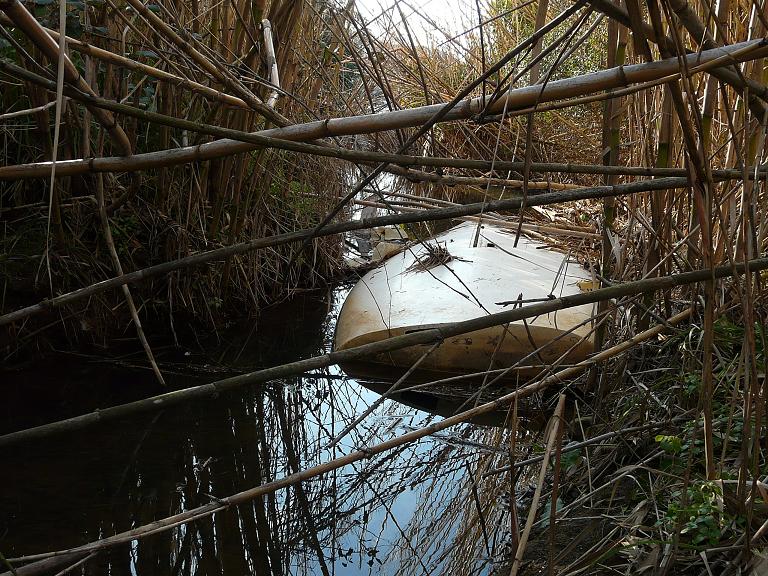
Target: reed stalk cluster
{"type": "Point", "coordinates": [197, 63]}
{"type": "Point", "coordinates": [209, 156]}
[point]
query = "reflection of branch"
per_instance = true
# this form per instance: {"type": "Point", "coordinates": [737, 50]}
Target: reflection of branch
{"type": "Point", "coordinates": [480, 515]}
{"type": "Point", "coordinates": [293, 462]}
{"type": "Point", "coordinates": [403, 535]}
{"type": "Point", "coordinates": [375, 404]}
{"type": "Point", "coordinates": [267, 505]}
{"type": "Point", "coordinates": [201, 512]}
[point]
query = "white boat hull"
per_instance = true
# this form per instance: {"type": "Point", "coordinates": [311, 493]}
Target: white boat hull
{"type": "Point", "coordinates": [400, 297]}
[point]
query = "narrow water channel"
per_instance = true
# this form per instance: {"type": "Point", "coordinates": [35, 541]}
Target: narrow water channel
{"type": "Point", "coordinates": [406, 510]}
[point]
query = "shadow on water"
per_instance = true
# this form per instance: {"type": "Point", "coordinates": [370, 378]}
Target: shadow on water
{"type": "Point", "coordinates": [393, 512]}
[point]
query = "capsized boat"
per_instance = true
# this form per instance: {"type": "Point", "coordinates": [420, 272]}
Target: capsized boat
{"type": "Point", "coordinates": [450, 279]}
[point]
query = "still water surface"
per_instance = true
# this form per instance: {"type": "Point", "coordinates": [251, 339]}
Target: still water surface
{"type": "Point", "coordinates": [410, 510]}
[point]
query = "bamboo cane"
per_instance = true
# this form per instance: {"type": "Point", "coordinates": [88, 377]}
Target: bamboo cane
{"type": "Point", "coordinates": [526, 226]}
{"type": "Point", "coordinates": [611, 134]}
{"type": "Point", "coordinates": [125, 62]}
{"type": "Point", "coordinates": [541, 16]}
{"type": "Point", "coordinates": [513, 99]}
{"type": "Point", "coordinates": [203, 511]}
{"type": "Point", "coordinates": [18, 113]}
{"type": "Point", "coordinates": [555, 424]}
{"type": "Point", "coordinates": [730, 76]}
{"type": "Point", "coordinates": [74, 167]}
{"type": "Point", "coordinates": [429, 336]}
{"type": "Point", "coordinates": [183, 40]}
{"type": "Point", "coordinates": [702, 187]}
{"type": "Point", "coordinates": [274, 75]}
{"type": "Point", "coordinates": [659, 170]}
{"type": "Point", "coordinates": [21, 17]}
{"type": "Point", "coordinates": [516, 98]}
{"type": "Point", "coordinates": [303, 235]}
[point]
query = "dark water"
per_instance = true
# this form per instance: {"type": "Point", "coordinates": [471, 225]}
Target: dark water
{"type": "Point", "coordinates": [400, 512]}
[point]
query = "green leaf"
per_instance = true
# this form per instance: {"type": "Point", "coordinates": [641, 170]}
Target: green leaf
{"type": "Point", "coordinates": [670, 444]}
{"type": "Point", "coordinates": [548, 509]}
{"type": "Point", "coordinates": [570, 459]}
{"type": "Point", "coordinates": [146, 54]}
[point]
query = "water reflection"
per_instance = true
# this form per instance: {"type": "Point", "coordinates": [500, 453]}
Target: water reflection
{"type": "Point", "coordinates": [412, 510]}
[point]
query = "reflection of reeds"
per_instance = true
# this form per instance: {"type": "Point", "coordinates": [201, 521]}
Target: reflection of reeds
{"type": "Point", "coordinates": [676, 409]}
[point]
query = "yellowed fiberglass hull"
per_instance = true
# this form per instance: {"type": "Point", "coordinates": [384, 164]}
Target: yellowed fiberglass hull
{"type": "Point", "coordinates": [397, 299]}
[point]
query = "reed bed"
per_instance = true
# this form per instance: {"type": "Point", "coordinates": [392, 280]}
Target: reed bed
{"type": "Point", "coordinates": [672, 493]}
{"type": "Point", "coordinates": [651, 455]}
{"type": "Point", "coordinates": [217, 74]}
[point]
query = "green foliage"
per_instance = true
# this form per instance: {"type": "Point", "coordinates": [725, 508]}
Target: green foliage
{"type": "Point", "coordinates": [571, 459]}
{"type": "Point", "coordinates": [670, 444]}
{"type": "Point", "coordinates": [548, 509]}
{"type": "Point", "coordinates": [701, 514]}
{"type": "Point", "coordinates": [730, 336]}
{"type": "Point", "coordinates": [691, 384]}
{"type": "Point", "coordinates": [727, 334]}
{"type": "Point", "coordinates": [685, 447]}
{"type": "Point", "coordinates": [125, 228]}
{"type": "Point", "coordinates": [47, 12]}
